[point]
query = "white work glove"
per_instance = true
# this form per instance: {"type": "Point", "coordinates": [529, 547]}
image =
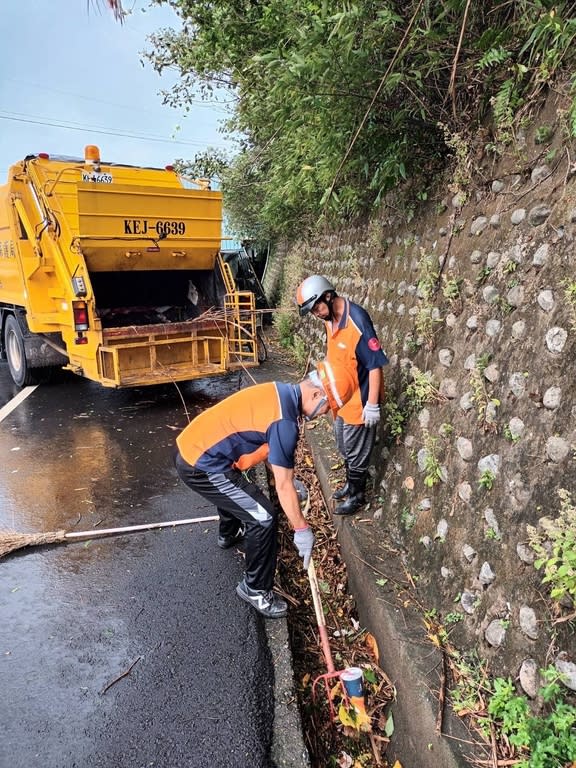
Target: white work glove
{"type": "Point", "coordinates": [371, 415]}
{"type": "Point", "coordinates": [304, 543]}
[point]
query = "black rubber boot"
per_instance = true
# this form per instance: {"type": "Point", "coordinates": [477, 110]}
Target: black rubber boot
{"type": "Point", "coordinates": [342, 493]}
{"type": "Point", "coordinates": [356, 499]}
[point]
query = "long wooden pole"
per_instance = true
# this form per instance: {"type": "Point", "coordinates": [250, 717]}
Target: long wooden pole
{"type": "Point", "coordinates": [143, 527]}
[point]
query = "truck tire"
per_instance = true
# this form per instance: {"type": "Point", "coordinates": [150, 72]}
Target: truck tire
{"type": "Point", "coordinates": [261, 346]}
{"type": "Point", "coordinates": [16, 354]}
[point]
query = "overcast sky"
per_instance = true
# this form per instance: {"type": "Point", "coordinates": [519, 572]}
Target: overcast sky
{"type": "Point", "coordinates": [68, 64]}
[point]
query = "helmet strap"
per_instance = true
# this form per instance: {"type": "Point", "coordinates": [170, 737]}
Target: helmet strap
{"type": "Point", "coordinates": [314, 413]}
{"type": "Point", "coordinates": [329, 301]}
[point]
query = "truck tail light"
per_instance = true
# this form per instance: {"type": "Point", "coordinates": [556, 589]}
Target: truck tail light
{"type": "Point", "coordinates": [80, 311]}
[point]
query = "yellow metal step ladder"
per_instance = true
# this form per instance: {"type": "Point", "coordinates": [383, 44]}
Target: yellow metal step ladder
{"type": "Point", "coordinates": [240, 319]}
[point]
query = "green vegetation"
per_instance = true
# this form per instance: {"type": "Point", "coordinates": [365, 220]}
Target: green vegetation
{"type": "Point", "coordinates": [570, 296]}
{"type": "Point", "coordinates": [485, 405]}
{"type": "Point", "coordinates": [424, 325]}
{"type": "Point", "coordinates": [555, 547]}
{"type": "Point", "coordinates": [427, 284]}
{"type": "Point", "coordinates": [542, 741]}
{"type": "Point", "coordinates": [412, 344]}
{"type": "Point", "coordinates": [395, 419]}
{"type": "Point", "coordinates": [550, 155]}
{"type": "Point", "coordinates": [543, 134]}
{"type": "Point", "coordinates": [337, 104]}
{"type": "Point", "coordinates": [503, 305]}
{"type": "Point", "coordinates": [486, 480]}
{"type": "Point", "coordinates": [510, 267]}
{"type": "Point", "coordinates": [470, 678]}
{"type": "Point", "coordinates": [483, 361]}
{"type": "Point", "coordinates": [532, 740]}
{"type": "Point", "coordinates": [483, 274]}
{"type": "Point", "coordinates": [509, 436]}
{"type": "Point", "coordinates": [538, 734]}
{"type": "Point", "coordinates": [536, 741]}
{"type": "Point", "coordinates": [407, 518]}
{"type": "Point", "coordinates": [428, 275]}
{"type": "Point", "coordinates": [571, 118]}
{"type": "Point", "coordinates": [432, 466]}
{"type": "Point", "coordinates": [284, 322]}
{"type": "Point", "coordinates": [451, 289]}
{"type": "Point", "coordinates": [421, 389]}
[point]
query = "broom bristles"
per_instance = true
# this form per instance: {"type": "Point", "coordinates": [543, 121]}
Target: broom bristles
{"type": "Point", "coordinates": [12, 540]}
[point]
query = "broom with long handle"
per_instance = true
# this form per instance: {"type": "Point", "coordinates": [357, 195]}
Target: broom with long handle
{"type": "Point", "coordinates": [12, 540]}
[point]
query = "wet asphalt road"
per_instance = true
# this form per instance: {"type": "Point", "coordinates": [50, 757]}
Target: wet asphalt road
{"type": "Point", "coordinates": [74, 618]}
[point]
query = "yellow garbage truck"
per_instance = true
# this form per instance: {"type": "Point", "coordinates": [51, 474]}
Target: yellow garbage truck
{"type": "Point", "coordinates": [114, 272]}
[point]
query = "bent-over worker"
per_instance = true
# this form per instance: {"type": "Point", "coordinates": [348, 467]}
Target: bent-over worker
{"type": "Point", "coordinates": [259, 423]}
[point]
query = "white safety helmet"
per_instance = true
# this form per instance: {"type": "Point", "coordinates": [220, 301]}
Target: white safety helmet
{"type": "Point", "coordinates": [310, 291]}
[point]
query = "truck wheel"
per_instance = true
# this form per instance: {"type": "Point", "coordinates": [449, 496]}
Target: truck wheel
{"type": "Point", "coordinates": [261, 346]}
{"type": "Point", "coordinates": [16, 353]}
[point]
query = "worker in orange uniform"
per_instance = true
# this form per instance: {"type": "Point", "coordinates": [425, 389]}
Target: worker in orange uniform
{"type": "Point", "coordinates": [259, 423]}
{"type": "Point", "coordinates": [352, 343]}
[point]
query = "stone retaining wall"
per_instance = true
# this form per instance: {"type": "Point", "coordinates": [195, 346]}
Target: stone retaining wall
{"type": "Point", "coordinates": [478, 294]}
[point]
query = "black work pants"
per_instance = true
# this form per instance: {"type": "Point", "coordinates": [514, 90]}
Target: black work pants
{"type": "Point", "coordinates": [355, 443]}
{"type": "Point", "coordinates": [238, 501]}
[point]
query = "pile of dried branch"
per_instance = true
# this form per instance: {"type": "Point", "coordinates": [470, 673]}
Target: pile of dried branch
{"type": "Point", "coordinates": [337, 740]}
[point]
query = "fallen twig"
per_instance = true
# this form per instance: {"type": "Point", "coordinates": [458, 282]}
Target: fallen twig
{"type": "Point", "coordinates": [375, 749]}
{"type": "Point", "coordinates": [494, 744]}
{"type": "Point", "coordinates": [380, 573]}
{"type": "Point", "coordinates": [562, 619]}
{"type": "Point", "coordinates": [127, 672]}
{"type": "Point", "coordinates": [441, 693]}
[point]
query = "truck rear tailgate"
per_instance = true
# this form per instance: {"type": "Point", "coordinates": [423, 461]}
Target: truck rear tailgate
{"type": "Point", "coordinates": [153, 354]}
